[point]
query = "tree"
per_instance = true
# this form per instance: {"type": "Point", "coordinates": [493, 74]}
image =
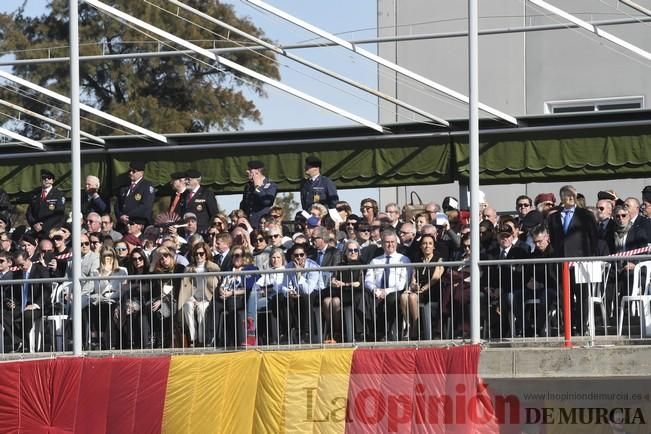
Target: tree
{"type": "Point", "coordinates": [164, 94]}
{"type": "Point", "coordinates": [288, 204]}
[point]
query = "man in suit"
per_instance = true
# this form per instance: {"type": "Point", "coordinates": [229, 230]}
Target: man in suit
{"type": "Point", "coordinates": [47, 206]}
{"type": "Point", "coordinates": [605, 223]}
{"type": "Point", "coordinates": [385, 284]}
{"type": "Point", "coordinates": [35, 298]}
{"type": "Point", "coordinates": [638, 220]}
{"type": "Point", "coordinates": [573, 233]}
{"type": "Point", "coordinates": [11, 312]}
{"type": "Point", "coordinates": [199, 201]}
{"type": "Point", "coordinates": [323, 253]}
{"type": "Point", "coordinates": [137, 198]}
{"type": "Point", "coordinates": [259, 193]}
{"type": "Point", "coordinates": [222, 251]}
{"type": "Point", "coordinates": [93, 202]}
{"type": "Point", "coordinates": [317, 188]}
{"type": "Point", "coordinates": [179, 185]}
{"type": "Point", "coordinates": [541, 282]}
{"type": "Point", "coordinates": [505, 284]}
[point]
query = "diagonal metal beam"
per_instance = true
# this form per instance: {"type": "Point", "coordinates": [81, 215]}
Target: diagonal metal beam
{"type": "Point", "coordinates": [592, 28]}
{"type": "Point", "coordinates": [637, 7]}
{"type": "Point", "coordinates": [232, 65]}
{"type": "Point", "coordinates": [84, 107]}
{"type": "Point", "coordinates": [25, 140]}
{"type": "Point", "coordinates": [49, 120]}
{"type": "Point", "coordinates": [380, 60]}
{"type": "Point", "coordinates": [285, 53]}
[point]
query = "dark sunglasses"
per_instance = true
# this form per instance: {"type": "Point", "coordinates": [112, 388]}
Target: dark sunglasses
{"type": "Point", "coordinates": [621, 215]}
{"type": "Point", "coordinates": [57, 238]}
{"type": "Point", "coordinates": [298, 255]}
{"type": "Point", "coordinates": [46, 177]}
{"type": "Point", "coordinates": [275, 216]}
{"type": "Point", "coordinates": [601, 208]}
{"type": "Point", "coordinates": [85, 243]}
{"type": "Point", "coordinates": [524, 205]}
{"type": "Point", "coordinates": [96, 242]}
{"type": "Point", "coordinates": [137, 258]}
{"type": "Point", "coordinates": [275, 235]}
{"type": "Point", "coordinates": [200, 253]}
{"type": "Point", "coordinates": [166, 255]}
{"type": "Point", "coordinates": [353, 250]}
{"type": "Point", "coordinates": [237, 255]}
{"type": "Point", "coordinates": [259, 240]}
{"type": "Point", "coordinates": [120, 249]}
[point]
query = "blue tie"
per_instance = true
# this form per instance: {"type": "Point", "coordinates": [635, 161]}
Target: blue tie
{"type": "Point", "coordinates": [567, 220]}
{"type": "Point", "coordinates": [386, 274]}
{"type": "Point", "coordinates": [25, 291]}
{"type": "Point", "coordinates": [319, 257]}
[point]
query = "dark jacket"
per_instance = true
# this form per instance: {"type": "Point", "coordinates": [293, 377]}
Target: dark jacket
{"type": "Point", "coordinates": [257, 201]}
{"type": "Point", "coordinates": [581, 237]}
{"type": "Point", "coordinates": [322, 190]}
{"type": "Point", "coordinates": [50, 211]}
{"type": "Point", "coordinates": [331, 258]}
{"type": "Point", "coordinates": [138, 203]}
{"type": "Point", "coordinates": [203, 204]}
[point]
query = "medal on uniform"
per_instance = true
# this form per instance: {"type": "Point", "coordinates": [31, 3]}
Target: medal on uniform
{"type": "Point", "coordinates": [199, 208]}
{"type": "Point", "coordinates": [137, 196]}
{"type": "Point", "coordinates": [317, 197]}
{"type": "Point", "coordinates": [51, 207]}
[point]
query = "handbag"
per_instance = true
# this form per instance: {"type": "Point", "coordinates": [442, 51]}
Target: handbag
{"type": "Point", "coordinates": [412, 209]}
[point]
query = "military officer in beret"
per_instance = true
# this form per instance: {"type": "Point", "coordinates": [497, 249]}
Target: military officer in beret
{"type": "Point", "coordinates": [199, 201]}
{"type": "Point", "coordinates": [179, 184]}
{"type": "Point", "coordinates": [317, 188]}
{"type": "Point", "coordinates": [137, 198]}
{"type": "Point", "coordinates": [47, 206]}
{"type": "Point", "coordinates": [259, 193]}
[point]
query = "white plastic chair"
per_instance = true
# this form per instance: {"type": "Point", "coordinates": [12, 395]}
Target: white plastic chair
{"type": "Point", "coordinates": [597, 294]}
{"type": "Point", "coordinates": [641, 296]}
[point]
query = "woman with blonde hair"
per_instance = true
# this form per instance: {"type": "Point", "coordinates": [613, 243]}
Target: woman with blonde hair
{"type": "Point", "coordinates": [197, 292]}
{"type": "Point", "coordinates": [164, 294]}
{"type": "Point", "coordinates": [107, 293]}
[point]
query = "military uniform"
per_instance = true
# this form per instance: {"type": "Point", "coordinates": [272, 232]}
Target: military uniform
{"type": "Point", "coordinates": [257, 201]}
{"type": "Point", "coordinates": [48, 210]}
{"type": "Point", "coordinates": [322, 190]}
{"type": "Point", "coordinates": [203, 204]}
{"type": "Point", "coordinates": [136, 202]}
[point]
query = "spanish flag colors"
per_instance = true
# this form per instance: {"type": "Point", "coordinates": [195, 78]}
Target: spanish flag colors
{"type": "Point", "coordinates": [301, 391]}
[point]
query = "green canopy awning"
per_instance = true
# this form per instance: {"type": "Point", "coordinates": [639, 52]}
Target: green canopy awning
{"type": "Point", "coordinates": [548, 156]}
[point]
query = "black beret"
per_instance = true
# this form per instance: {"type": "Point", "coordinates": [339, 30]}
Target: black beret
{"type": "Point", "coordinates": [313, 161]}
{"type": "Point", "coordinates": [178, 175]}
{"type": "Point", "coordinates": [606, 195]}
{"type": "Point", "coordinates": [47, 173]}
{"type": "Point", "coordinates": [138, 220]}
{"type": "Point", "coordinates": [193, 173]}
{"type": "Point", "coordinates": [137, 165]}
{"type": "Point", "coordinates": [505, 229]}
{"type": "Point", "coordinates": [255, 164]}
{"type": "Point", "coordinates": [646, 194]}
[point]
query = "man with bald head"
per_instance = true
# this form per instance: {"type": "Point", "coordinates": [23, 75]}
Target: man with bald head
{"type": "Point", "coordinates": [92, 201]}
{"type": "Point", "coordinates": [489, 214]}
{"type": "Point", "coordinates": [637, 220]}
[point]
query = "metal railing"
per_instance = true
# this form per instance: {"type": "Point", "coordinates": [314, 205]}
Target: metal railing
{"type": "Point", "coordinates": [521, 302]}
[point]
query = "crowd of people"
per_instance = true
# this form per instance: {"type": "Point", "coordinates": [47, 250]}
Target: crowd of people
{"type": "Point", "coordinates": [153, 280]}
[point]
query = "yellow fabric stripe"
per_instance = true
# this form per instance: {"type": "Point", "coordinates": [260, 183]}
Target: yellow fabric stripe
{"type": "Point", "coordinates": [258, 392]}
{"type": "Point", "coordinates": [211, 393]}
{"type": "Point", "coordinates": [303, 391]}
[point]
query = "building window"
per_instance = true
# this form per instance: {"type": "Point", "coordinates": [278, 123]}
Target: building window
{"type": "Point", "coordinates": [594, 105]}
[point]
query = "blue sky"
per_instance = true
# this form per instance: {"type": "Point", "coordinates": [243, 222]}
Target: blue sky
{"type": "Point", "coordinates": [352, 20]}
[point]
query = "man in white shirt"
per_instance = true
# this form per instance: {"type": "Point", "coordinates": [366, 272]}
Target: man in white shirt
{"type": "Point", "coordinates": [385, 285]}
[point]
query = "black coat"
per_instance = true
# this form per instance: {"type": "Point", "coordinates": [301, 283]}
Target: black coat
{"type": "Point", "coordinates": [50, 211]}
{"type": "Point", "coordinates": [98, 204]}
{"type": "Point", "coordinates": [138, 203]}
{"type": "Point", "coordinates": [506, 277]}
{"type": "Point", "coordinates": [331, 258]}
{"type": "Point", "coordinates": [322, 191]}
{"type": "Point", "coordinates": [38, 293]}
{"type": "Point", "coordinates": [203, 204]}
{"type": "Point", "coordinates": [581, 237]}
{"type": "Point", "coordinates": [257, 201]}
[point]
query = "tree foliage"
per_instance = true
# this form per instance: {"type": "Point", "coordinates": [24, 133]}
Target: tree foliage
{"type": "Point", "coordinates": [166, 94]}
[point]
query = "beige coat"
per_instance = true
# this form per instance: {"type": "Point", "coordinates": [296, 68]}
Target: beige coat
{"type": "Point", "coordinates": [188, 285]}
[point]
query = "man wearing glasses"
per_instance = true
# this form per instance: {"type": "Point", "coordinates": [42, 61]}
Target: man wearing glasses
{"type": "Point", "coordinates": [137, 198]}
{"type": "Point", "coordinates": [47, 206]}
{"type": "Point", "coordinates": [523, 206]}
{"type": "Point", "coordinates": [106, 224]}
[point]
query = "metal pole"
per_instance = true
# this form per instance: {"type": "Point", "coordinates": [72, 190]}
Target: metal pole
{"type": "Point", "coordinates": [75, 143]}
{"type": "Point", "coordinates": [473, 135]}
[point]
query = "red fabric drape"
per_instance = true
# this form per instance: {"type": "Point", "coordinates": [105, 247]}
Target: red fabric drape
{"type": "Point", "coordinates": [418, 391]}
{"type": "Point", "coordinates": [76, 395]}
